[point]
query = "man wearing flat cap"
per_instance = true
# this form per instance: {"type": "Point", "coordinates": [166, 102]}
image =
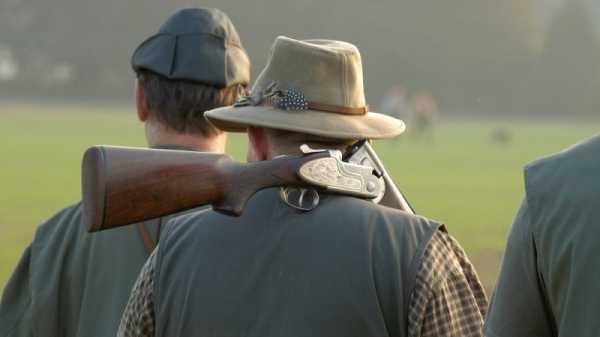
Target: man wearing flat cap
{"type": "Point", "coordinates": [347, 267]}
{"type": "Point", "coordinates": [73, 284]}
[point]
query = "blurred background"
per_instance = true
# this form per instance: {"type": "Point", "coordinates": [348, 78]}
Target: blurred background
{"type": "Point", "coordinates": [484, 85]}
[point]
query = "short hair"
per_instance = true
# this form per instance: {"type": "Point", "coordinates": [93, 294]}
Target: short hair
{"type": "Point", "coordinates": [288, 142]}
{"type": "Point", "coordinates": [180, 104]}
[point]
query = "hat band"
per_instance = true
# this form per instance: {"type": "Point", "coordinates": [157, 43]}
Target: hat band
{"type": "Point", "coordinates": [310, 105]}
{"type": "Point", "coordinates": [293, 100]}
{"type": "Point", "coordinates": [344, 110]}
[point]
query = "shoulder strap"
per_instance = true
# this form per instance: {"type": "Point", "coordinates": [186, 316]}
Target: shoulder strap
{"type": "Point", "coordinates": [149, 243]}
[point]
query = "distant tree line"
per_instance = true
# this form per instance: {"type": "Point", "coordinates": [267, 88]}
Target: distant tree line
{"type": "Point", "coordinates": [474, 56]}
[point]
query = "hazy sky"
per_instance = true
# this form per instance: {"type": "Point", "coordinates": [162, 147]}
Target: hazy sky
{"type": "Point", "coordinates": [548, 9]}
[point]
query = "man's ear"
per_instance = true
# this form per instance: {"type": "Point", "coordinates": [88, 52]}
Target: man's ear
{"type": "Point", "coordinates": [140, 101]}
{"type": "Point", "coordinates": [258, 144]}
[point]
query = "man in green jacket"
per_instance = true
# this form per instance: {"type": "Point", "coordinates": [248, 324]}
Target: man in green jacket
{"type": "Point", "coordinates": [549, 283]}
{"type": "Point", "coordinates": [73, 284]}
{"type": "Point", "coordinates": [347, 267]}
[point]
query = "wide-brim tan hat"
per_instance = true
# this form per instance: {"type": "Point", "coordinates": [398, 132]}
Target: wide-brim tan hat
{"type": "Point", "coordinates": [313, 87]}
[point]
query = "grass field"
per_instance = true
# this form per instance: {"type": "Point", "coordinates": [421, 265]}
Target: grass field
{"type": "Point", "coordinates": [460, 178]}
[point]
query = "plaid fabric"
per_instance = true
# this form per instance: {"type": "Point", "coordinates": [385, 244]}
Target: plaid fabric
{"type": "Point", "coordinates": [448, 299]}
{"type": "Point", "coordinates": [138, 317]}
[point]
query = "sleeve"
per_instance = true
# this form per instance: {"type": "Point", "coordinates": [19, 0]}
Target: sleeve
{"type": "Point", "coordinates": [138, 318]}
{"type": "Point", "coordinates": [16, 305]}
{"type": "Point", "coordinates": [448, 298]}
{"type": "Point", "coordinates": [518, 305]}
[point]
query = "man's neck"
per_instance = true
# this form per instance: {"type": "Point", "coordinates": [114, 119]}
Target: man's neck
{"type": "Point", "coordinates": [159, 136]}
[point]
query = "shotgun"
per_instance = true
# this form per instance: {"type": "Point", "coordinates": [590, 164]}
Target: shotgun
{"type": "Point", "coordinates": [362, 153]}
{"type": "Point", "coordinates": [124, 185]}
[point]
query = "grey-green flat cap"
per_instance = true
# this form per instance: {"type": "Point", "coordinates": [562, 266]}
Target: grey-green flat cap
{"type": "Point", "coordinates": [196, 44]}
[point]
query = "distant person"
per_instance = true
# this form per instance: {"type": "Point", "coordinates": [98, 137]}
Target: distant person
{"type": "Point", "coordinates": [73, 284]}
{"type": "Point", "coordinates": [502, 136]}
{"type": "Point", "coordinates": [394, 102]}
{"type": "Point", "coordinates": [549, 282]}
{"type": "Point", "coordinates": [348, 267]}
{"type": "Point", "coordinates": [424, 113]}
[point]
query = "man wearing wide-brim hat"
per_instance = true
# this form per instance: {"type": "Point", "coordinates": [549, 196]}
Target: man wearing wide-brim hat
{"type": "Point", "coordinates": [347, 267]}
{"type": "Point", "coordinates": [73, 284]}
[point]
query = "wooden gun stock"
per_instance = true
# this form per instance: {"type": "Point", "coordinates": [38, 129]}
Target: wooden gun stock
{"type": "Point", "coordinates": [123, 185]}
